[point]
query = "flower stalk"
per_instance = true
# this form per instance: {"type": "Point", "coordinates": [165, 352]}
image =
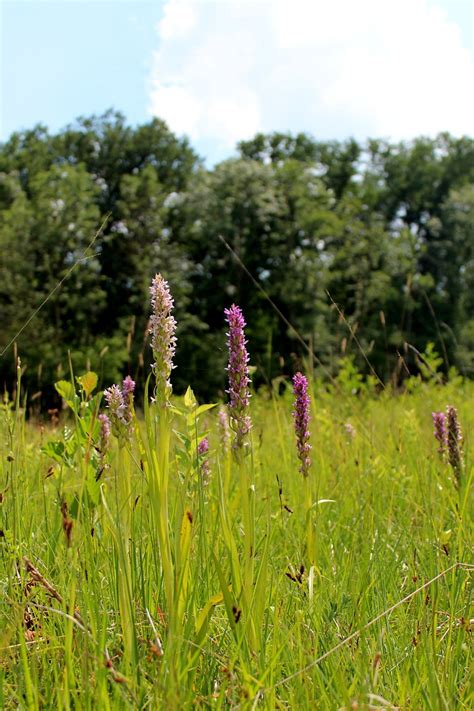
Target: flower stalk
{"type": "Point", "coordinates": [440, 432]}
{"type": "Point", "coordinates": [301, 418]}
{"type": "Point", "coordinates": [239, 380]}
{"type": "Point", "coordinates": [162, 328]}
{"type": "Point", "coordinates": [454, 443]}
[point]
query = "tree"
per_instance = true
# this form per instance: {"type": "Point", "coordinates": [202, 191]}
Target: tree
{"type": "Point", "coordinates": [383, 230]}
{"type": "Point", "coordinates": [458, 239]}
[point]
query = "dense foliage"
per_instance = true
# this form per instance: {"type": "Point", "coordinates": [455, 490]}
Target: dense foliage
{"type": "Point", "coordinates": [362, 248]}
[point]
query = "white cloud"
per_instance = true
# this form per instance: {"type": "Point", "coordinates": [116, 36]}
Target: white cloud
{"type": "Point", "coordinates": [179, 19]}
{"type": "Point", "coordinates": [227, 69]}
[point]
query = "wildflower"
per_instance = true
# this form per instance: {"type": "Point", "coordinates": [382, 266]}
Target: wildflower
{"type": "Point", "coordinates": [238, 370]}
{"type": "Point", "coordinates": [163, 341]}
{"type": "Point", "coordinates": [120, 404]}
{"type": "Point", "coordinates": [224, 429]}
{"type": "Point", "coordinates": [104, 437]}
{"type": "Point", "coordinates": [440, 432]}
{"type": "Point", "coordinates": [128, 388]}
{"type": "Point", "coordinates": [454, 441]}
{"type": "Point", "coordinates": [114, 399]}
{"type": "Point", "coordinates": [350, 430]}
{"type": "Point", "coordinates": [301, 419]}
{"type": "Point", "coordinates": [202, 450]}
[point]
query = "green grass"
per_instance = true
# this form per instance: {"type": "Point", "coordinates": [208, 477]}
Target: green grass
{"type": "Point", "coordinates": [174, 594]}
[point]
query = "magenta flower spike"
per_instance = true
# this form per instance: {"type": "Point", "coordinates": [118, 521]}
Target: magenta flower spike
{"type": "Point", "coordinates": [239, 380]}
{"type": "Point", "coordinates": [104, 437]}
{"type": "Point", "coordinates": [440, 431]}
{"type": "Point", "coordinates": [163, 340]}
{"type": "Point", "coordinates": [128, 388]}
{"type": "Point", "coordinates": [454, 442]}
{"type": "Point", "coordinates": [301, 419]}
{"type": "Point", "coordinates": [202, 450]}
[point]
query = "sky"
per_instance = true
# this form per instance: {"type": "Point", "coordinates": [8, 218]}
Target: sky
{"type": "Point", "coordinates": [220, 71]}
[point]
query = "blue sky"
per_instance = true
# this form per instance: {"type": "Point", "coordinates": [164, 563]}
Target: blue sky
{"type": "Point", "coordinates": [220, 71]}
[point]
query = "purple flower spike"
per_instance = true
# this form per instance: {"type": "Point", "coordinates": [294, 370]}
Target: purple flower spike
{"type": "Point", "coordinates": [104, 441]}
{"type": "Point", "coordinates": [128, 387]}
{"type": "Point", "coordinates": [115, 403]}
{"type": "Point", "coordinates": [440, 432]}
{"type": "Point", "coordinates": [454, 442]}
{"type": "Point", "coordinates": [163, 340]}
{"type": "Point", "coordinates": [203, 446]}
{"type": "Point", "coordinates": [301, 419]}
{"type": "Point", "coordinates": [120, 404]}
{"type": "Point", "coordinates": [238, 370]}
{"type": "Point", "coordinates": [202, 450]}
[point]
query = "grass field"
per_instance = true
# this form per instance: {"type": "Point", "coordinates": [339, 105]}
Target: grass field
{"type": "Point", "coordinates": [180, 579]}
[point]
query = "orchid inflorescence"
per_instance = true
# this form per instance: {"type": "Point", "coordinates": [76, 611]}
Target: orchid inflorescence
{"type": "Point", "coordinates": [448, 434]}
{"type": "Point", "coordinates": [162, 329]}
{"type": "Point", "coordinates": [119, 401]}
{"type": "Point", "coordinates": [239, 380]}
{"type": "Point", "coordinates": [301, 420]}
{"type": "Point", "coordinates": [233, 418]}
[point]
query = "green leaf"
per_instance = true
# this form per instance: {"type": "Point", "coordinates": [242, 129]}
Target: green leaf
{"type": "Point", "coordinates": [445, 537]}
{"type": "Point", "coordinates": [204, 408]}
{"type": "Point", "coordinates": [61, 452]}
{"type": "Point", "coordinates": [66, 390]}
{"type": "Point", "coordinates": [92, 486]}
{"type": "Point", "coordinates": [229, 600]}
{"type": "Point", "coordinates": [55, 450]}
{"type": "Point", "coordinates": [88, 382]}
{"type": "Point", "coordinates": [204, 617]}
{"type": "Point", "coordinates": [176, 411]}
{"type": "Point", "coordinates": [189, 399]}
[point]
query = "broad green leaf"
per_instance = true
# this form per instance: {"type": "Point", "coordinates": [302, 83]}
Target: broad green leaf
{"type": "Point", "coordinates": [61, 452]}
{"type": "Point", "coordinates": [66, 390]}
{"type": "Point", "coordinates": [88, 382]}
{"type": "Point", "coordinates": [55, 450]}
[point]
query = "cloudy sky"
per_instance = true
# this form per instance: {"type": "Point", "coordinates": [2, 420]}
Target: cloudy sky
{"type": "Point", "coordinates": [219, 71]}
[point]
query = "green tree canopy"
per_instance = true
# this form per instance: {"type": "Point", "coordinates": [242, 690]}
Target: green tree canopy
{"type": "Point", "coordinates": [359, 246]}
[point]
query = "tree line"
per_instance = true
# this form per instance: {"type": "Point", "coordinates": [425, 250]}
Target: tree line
{"type": "Point", "coordinates": [351, 249]}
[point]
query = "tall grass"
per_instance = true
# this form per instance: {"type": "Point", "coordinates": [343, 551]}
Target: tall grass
{"type": "Point", "coordinates": [142, 579]}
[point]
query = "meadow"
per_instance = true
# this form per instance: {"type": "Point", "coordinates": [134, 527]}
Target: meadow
{"type": "Point", "coordinates": [183, 556]}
